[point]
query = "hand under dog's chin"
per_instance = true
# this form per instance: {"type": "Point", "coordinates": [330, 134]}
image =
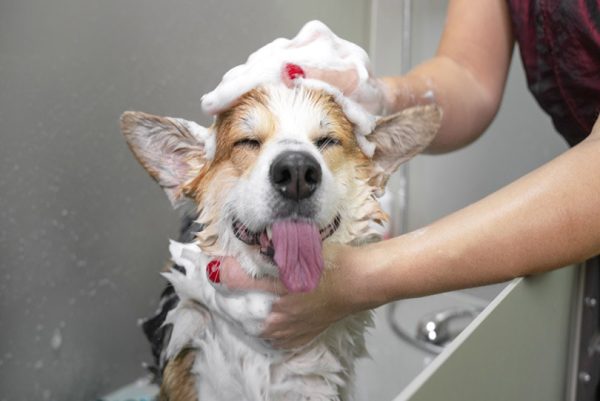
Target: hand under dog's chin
{"type": "Point", "coordinates": [289, 248]}
{"type": "Point", "coordinates": [255, 264]}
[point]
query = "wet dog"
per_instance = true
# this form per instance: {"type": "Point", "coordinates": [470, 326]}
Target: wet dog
{"type": "Point", "coordinates": [277, 175]}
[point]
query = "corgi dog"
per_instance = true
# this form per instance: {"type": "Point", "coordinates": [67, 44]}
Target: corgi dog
{"type": "Point", "coordinates": [277, 175]}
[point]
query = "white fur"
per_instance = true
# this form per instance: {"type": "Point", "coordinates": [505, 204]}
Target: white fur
{"type": "Point", "coordinates": [296, 117]}
{"type": "Point", "coordinates": [233, 364]}
{"type": "Point", "coordinates": [222, 328]}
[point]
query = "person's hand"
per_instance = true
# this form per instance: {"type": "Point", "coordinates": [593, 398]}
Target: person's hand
{"type": "Point", "coordinates": [374, 94]}
{"type": "Point", "coordinates": [296, 319]}
{"type": "Point", "coordinates": [314, 54]}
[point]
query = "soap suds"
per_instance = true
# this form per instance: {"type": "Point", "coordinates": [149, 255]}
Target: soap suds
{"type": "Point", "coordinates": [315, 46]}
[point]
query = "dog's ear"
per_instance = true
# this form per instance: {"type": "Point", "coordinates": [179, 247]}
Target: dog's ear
{"type": "Point", "coordinates": [172, 150]}
{"type": "Point", "coordinates": [399, 137]}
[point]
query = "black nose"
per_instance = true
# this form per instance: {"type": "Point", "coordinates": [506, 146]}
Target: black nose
{"type": "Point", "coordinates": [296, 175]}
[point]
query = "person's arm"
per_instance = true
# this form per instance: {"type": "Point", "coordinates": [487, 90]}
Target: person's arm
{"type": "Point", "coordinates": [467, 75]}
{"type": "Point", "coordinates": [545, 220]}
{"type": "Point", "coordinates": [548, 219]}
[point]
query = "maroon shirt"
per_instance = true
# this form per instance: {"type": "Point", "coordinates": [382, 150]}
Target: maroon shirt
{"type": "Point", "coordinates": [559, 41]}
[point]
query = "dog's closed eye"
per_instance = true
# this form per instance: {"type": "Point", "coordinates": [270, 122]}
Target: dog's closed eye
{"type": "Point", "coordinates": [250, 143]}
{"type": "Point", "coordinates": [327, 141]}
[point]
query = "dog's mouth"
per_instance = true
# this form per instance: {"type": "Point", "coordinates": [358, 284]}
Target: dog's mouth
{"type": "Point", "coordinates": [264, 237]}
{"type": "Point", "coordinates": [294, 246]}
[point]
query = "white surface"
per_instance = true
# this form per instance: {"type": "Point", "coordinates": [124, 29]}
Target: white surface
{"type": "Point", "coordinates": [394, 363]}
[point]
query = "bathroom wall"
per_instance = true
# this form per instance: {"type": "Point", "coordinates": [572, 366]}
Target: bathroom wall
{"type": "Point", "coordinates": [520, 139]}
{"type": "Point", "coordinates": [83, 229]}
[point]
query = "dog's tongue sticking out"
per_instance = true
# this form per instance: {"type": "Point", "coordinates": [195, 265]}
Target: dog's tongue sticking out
{"type": "Point", "coordinates": [298, 255]}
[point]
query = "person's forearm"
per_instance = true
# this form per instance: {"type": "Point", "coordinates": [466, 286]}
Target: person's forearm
{"type": "Point", "coordinates": [547, 219]}
{"type": "Point", "coordinates": [467, 75]}
{"type": "Point", "coordinates": [467, 107]}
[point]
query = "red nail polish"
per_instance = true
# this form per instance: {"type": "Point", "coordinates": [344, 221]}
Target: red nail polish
{"type": "Point", "coordinates": [212, 270]}
{"type": "Point", "coordinates": [294, 71]}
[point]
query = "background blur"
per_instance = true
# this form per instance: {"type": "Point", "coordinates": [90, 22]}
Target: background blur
{"type": "Point", "coordinates": [83, 229]}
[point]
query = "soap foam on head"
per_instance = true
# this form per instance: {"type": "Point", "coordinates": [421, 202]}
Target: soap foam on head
{"type": "Point", "coordinates": [315, 46]}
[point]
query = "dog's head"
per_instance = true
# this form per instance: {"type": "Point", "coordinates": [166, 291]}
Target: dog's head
{"type": "Point", "coordinates": [277, 174]}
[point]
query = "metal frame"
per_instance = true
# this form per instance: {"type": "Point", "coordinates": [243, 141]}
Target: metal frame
{"type": "Point", "coordinates": [585, 373]}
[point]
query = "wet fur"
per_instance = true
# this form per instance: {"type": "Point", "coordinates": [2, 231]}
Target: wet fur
{"type": "Point", "coordinates": [208, 174]}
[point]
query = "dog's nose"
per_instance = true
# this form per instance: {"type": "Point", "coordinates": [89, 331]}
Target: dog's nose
{"type": "Point", "coordinates": [295, 175]}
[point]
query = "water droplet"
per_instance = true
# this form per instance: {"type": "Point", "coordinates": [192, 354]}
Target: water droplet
{"type": "Point", "coordinates": [56, 340]}
{"type": "Point", "coordinates": [38, 364]}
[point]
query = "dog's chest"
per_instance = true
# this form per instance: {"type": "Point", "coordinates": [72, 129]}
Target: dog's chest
{"type": "Point", "coordinates": [232, 363]}
{"type": "Point", "coordinates": [233, 366]}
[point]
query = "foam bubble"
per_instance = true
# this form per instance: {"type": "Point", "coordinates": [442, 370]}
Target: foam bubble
{"type": "Point", "coordinates": [315, 46]}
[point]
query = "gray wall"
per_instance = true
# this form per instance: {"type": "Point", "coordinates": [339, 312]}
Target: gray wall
{"type": "Point", "coordinates": [83, 230]}
{"type": "Point", "coordinates": [519, 140]}
{"type": "Point", "coordinates": [82, 227]}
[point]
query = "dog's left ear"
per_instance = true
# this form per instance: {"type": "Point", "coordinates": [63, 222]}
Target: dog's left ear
{"type": "Point", "coordinates": [172, 150]}
{"type": "Point", "coordinates": [399, 137]}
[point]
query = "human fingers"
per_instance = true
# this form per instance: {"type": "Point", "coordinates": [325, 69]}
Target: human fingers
{"type": "Point", "coordinates": [235, 278]}
{"type": "Point", "coordinates": [290, 336]}
{"type": "Point", "coordinates": [297, 319]}
{"type": "Point", "coordinates": [344, 80]}
{"type": "Point", "coordinates": [291, 342]}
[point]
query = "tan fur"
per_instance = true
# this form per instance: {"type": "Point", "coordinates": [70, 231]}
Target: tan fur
{"type": "Point", "coordinates": [251, 119]}
{"type": "Point", "coordinates": [237, 161]}
{"type": "Point", "coordinates": [232, 162]}
{"type": "Point", "coordinates": [407, 132]}
{"type": "Point", "coordinates": [179, 383]}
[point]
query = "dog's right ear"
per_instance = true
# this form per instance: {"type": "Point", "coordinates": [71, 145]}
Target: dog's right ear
{"type": "Point", "coordinates": [399, 137]}
{"type": "Point", "coordinates": [172, 150]}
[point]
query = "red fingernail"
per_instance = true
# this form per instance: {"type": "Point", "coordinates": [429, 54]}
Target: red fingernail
{"type": "Point", "coordinates": [294, 71]}
{"type": "Point", "coordinates": [212, 270]}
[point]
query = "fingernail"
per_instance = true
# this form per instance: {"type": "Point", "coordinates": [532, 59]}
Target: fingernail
{"type": "Point", "coordinates": [294, 71]}
{"type": "Point", "coordinates": [213, 272]}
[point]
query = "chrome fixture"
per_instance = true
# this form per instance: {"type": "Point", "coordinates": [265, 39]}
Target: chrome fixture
{"type": "Point", "coordinates": [434, 331]}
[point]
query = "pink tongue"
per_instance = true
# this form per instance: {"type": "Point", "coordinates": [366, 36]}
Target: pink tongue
{"type": "Point", "coordinates": [298, 255]}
